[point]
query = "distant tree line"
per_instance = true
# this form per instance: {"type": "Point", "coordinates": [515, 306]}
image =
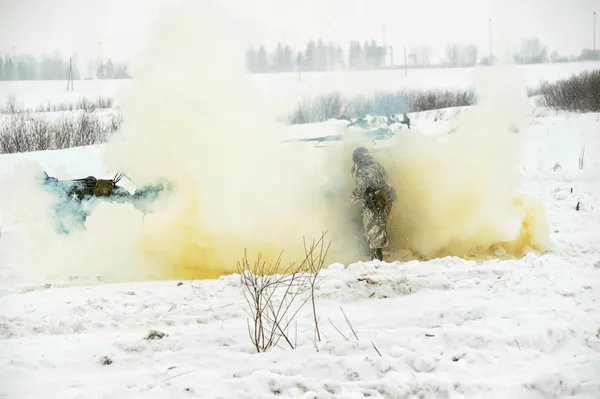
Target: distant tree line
{"type": "Point", "coordinates": [458, 55]}
{"type": "Point", "coordinates": [368, 56]}
{"type": "Point", "coordinates": [28, 67]}
{"type": "Point", "coordinates": [533, 51]}
{"type": "Point", "coordinates": [316, 56]}
{"type": "Point", "coordinates": [282, 60]}
{"type": "Point", "coordinates": [54, 67]}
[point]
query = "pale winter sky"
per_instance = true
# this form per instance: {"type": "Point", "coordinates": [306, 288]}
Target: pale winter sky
{"type": "Point", "coordinates": [78, 26]}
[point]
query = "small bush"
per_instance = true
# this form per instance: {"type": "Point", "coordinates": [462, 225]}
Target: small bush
{"type": "Point", "coordinates": [579, 93]}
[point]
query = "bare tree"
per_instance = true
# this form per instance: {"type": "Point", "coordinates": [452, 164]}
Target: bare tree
{"type": "Point", "coordinates": [461, 55]}
{"type": "Point", "coordinates": [469, 55]}
{"type": "Point", "coordinates": [453, 55]}
{"type": "Point", "coordinates": [532, 51]}
{"type": "Point", "coordinates": [421, 55]}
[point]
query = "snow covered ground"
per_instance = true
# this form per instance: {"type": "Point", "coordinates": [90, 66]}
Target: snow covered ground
{"type": "Point", "coordinates": [446, 328]}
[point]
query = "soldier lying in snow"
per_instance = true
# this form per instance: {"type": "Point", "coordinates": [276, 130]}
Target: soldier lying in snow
{"type": "Point", "coordinates": [375, 196]}
{"type": "Point", "coordinates": [69, 211]}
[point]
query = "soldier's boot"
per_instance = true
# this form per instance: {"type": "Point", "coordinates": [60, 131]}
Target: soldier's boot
{"type": "Point", "coordinates": [377, 254]}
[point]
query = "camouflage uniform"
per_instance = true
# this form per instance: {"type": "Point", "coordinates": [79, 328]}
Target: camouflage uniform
{"type": "Point", "coordinates": [375, 196]}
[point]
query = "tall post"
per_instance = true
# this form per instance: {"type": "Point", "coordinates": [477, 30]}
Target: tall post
{"type": "Point", "coordinates": [405, 63]}
{"type": "Point", "coordinates": [383, 42]}
{"type": "Point", "coordinates": [70, 79]}
{"type": "Point", "coordinates": [594, 32]}
{"type": "Point", "coordinates": [100, 68]}
{"type": "Point", "coordinates": [299, 67]}
{"type": "Point", "coordinates": [490, 37]}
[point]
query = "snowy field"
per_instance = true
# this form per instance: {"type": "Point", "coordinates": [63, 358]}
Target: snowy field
{"type": "Point", "coordinates": [286, 90]}
{"type": "Point", "coordinates": [445, 328]}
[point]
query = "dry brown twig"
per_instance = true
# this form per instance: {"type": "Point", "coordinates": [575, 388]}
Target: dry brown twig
{"type": "Point", "coordinates": [347, 320]}
{"type": "Point", "coordinates": [349, 324]}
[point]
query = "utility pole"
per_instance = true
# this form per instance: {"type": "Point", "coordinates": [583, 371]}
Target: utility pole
{"type": "Point", "coordinates": [70, 80]}
{"type": "Point", "coordinates": [594, 32]}
{"type": "Point", "coordinates": [100, 68]}
{"type": "Point", "coordinates": [299, 67]}
{"type": "Point", "coordinates": [383, 41]}
{"type": "Point", "coordinates": [490, 37]}
{"type": "Point", "coordinates": [405, 63]}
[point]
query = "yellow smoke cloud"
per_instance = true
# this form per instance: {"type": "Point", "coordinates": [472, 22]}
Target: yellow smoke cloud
{"type": "Point", "coordinates": [193, 118]}
{"type": "Point", "coordinates": [458, 194]}
{"type": "Point", "coordinates": [198, 122]}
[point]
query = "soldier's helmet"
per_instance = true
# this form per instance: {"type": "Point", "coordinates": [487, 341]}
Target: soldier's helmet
{"type": "Point", "coordinates": [360, 154]}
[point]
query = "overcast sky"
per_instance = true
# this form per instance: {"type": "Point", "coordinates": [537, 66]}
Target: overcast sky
{"type": "Point", "coordinates": [78, 26]}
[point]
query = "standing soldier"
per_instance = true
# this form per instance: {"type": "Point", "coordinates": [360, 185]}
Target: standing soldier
{"type": "Point", "coordinates": [375, 196]}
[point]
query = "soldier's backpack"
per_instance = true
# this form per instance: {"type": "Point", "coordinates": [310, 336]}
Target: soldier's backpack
{"type": "Point", "coordinates": [93, 187]}
{"type": "Point", "coordinates": [375, 199]}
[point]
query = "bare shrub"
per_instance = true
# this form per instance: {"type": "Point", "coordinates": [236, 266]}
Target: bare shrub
{"type": "Point", "coordinates": [11, 106]}
{"type": "Point", "coordinates": [302, 113]}
{"type": "Point", "coordinates": [534, 91]}
{"type": "Point", "coordinates": [104, 102]}
{"type": "Point", "coordinates": [579, 93]}
{"type": "Point", "coordinates": [431, 99]}
{"type": "Point", "coordinates": [328, 106]}
{"type": "Point", "coordinates": [266, 311]}
{"type": "Point", "coordinates": [41, 134]}
{"type": "Point", "coordinates": [333, 105]}
{"type": "Point", "coordinates": [13, 135]}
{"type": "Point", "coordinates": [323, 108]}
{"type": "Point", "coordinates": [83, 104]}
{"type": "Point", "coordinates": [116, 119]}
{"type": "Point", "coordinates": [24, 132]}
{"type": "Point", "coordinates": [273, 300]}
